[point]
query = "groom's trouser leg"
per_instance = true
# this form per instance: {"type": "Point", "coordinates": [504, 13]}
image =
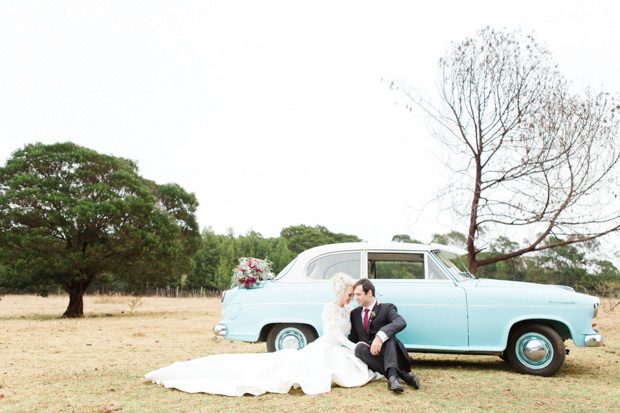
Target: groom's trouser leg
{"type": "Point", "coordinates": [390, 356]}
{"type": "Point", "coordinates": [387, 357]}
{"type": "Point", "coordinates": [375, 363]}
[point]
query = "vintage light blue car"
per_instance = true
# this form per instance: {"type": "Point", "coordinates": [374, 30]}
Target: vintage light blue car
{"type": "Point", "coordinates": [447, 310]}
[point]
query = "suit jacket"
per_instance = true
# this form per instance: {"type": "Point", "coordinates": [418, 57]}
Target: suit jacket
{"type": "Point", "coordinates": [386, 319]}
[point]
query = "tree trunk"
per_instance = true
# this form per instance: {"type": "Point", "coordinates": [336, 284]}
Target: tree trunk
{"type": "Point", "coordinates": [472, 263]}
{"type": "Point", "coordinates": [76, 291]}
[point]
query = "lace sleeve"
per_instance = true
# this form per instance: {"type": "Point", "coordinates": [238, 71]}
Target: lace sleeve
{"type": "Point", "coordinates": [336, 325]}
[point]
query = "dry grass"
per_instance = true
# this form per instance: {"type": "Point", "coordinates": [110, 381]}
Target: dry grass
{"type": "Point", "coordinates": [98, 363]}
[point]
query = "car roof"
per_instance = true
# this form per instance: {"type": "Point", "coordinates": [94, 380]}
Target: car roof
{"type": "Point", "coordinates": [391, 246]}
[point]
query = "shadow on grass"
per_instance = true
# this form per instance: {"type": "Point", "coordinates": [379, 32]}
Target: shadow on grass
{"type": "Point", "coordinates": [496, 364]}
{"type": "Point", "coordinates": [490, 363]}
{"type": "Point", "coordinates": [569, 369]}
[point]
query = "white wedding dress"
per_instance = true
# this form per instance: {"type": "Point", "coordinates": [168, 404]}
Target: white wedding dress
{"type": "Point", "coordinates": [329, 359]}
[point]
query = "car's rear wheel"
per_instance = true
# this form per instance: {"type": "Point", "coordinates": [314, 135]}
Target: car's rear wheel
{"type": "Point", "coordinates": [295, 336]}
{"type": "Point", "coordinates": [536, 349]}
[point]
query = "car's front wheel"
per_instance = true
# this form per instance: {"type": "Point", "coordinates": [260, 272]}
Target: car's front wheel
{"type": "Point", "coordinates": [535, 349]}
{"type": "Point", "coordinates": [295, 336]}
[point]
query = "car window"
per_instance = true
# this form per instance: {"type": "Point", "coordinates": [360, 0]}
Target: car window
{"type": "Point", "coordinates": [457, 273]}
{"type": "Point", "coordinates": [324, 267]}
{"type": "Point", "coordinates": [435, 272]}
{"type": "Point", "coordinates": [395, 265]}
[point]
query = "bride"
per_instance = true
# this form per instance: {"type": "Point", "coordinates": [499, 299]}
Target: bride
{"type": "Point", "coordinates": [329, 359]}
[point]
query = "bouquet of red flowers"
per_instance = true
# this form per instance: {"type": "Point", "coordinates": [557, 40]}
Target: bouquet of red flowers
{"type": "Point", "coordinates": [251, 271]}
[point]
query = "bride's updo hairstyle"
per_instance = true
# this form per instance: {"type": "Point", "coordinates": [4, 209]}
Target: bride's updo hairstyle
{"type": "Point", "coordinates": [340, 282]}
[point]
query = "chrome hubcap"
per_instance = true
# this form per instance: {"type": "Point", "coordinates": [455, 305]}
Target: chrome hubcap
{"type": "Point", "coordinates": [534, 350]}
{"type": "Point", "coordinates": [290, 338]}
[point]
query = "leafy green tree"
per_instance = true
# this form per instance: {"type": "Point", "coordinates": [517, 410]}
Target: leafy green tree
{"type": "Point", "coordinates": [605, 271]}
{"type": "Point", "coordinates": [453, 238]}
{"type": "Point", "coordinates": [564, 265]}
{"type": "Point", "coordinates": [253, 244]}
{"type": "Point", "coordinates": [219, 254]}
{"type": "Point", "coordinates": [205, 262]}
{"type": "Point", "coordinates": [510, 269]}
{"type": "Point", "coordinates": [229, 258]}
{"type": "Point", "coordinates": [281, 255]}
{"type": "Point", "coordinates": [69, 215]}
{"type": "Point", "coordinates": [404, 238]}
{"type": "Point", "coordinates": [302, 237]}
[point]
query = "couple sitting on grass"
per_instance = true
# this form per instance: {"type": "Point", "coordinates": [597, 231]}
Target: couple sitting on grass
{"type": "Point", "coordinates": [370, 351]}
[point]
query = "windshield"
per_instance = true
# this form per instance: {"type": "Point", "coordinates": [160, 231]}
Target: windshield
{"type": "Point", "coordinates": [458, 274]}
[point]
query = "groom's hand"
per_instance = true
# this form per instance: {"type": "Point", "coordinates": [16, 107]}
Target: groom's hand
{"type": "Point", "coordinates": [376, 345]}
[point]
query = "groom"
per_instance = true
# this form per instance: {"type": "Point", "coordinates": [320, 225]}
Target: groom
{"type": "Point", "coordinates": [373, 327]}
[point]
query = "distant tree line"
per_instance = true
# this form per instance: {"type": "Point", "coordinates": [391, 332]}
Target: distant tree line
{"type": "Point", "coordinates": [219, 254]}
{"type": "Point", "coordinates": [80, 221]}
{"type": "Point", "coordinates": [564, 265]}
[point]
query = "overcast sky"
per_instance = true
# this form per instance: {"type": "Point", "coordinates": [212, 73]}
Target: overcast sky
{"type": "Point", "coordinates": [273, 113]}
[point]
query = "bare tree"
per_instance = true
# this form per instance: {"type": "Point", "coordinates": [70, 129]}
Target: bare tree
{"type": "Point", "coordinates": [532, 157]}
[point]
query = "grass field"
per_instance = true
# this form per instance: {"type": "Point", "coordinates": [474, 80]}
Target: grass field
{"type": "Point", "coordinates": [97, 364]}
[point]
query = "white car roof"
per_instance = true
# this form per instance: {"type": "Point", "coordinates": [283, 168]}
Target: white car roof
{"type": "Point", "coordinates": [305, 257]}
{"type": "Point", "coordinates": [391, 246]}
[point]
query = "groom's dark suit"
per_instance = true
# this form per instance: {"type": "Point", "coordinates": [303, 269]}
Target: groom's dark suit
{"type": "Point", "coordinates": [393, 354]}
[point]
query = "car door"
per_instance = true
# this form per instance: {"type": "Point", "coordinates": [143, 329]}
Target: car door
{"type": "Point", "coordinates": [434, 308]}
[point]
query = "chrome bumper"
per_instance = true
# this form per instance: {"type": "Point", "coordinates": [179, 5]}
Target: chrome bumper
{"type": "Point", "coordinates": [220, 330]}
{"type": "Point", "coordinates": [595, 340]}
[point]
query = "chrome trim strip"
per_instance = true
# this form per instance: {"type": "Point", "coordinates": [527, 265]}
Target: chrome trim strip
{"type": "Point", "coordinates": [525, 306]}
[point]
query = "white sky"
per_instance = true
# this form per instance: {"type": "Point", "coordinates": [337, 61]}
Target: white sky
{"type": "Point", "coordinates": [272, 112]}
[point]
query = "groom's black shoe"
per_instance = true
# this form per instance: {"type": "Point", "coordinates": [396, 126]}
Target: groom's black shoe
{"type": "Point", "coordinates": [394, 385]}
{"type": "Point", "coordinates": [411, 379]}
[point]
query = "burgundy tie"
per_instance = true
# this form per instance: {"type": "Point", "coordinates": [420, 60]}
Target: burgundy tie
{"type": "Point", "coordinates": [366, 320]}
